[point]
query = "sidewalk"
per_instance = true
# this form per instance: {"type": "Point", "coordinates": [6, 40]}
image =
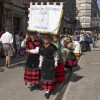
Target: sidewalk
{"type": "Point", "coordinates": [14, 60]}
{"type": "Point", "coordinates": [85, 83]}
{"type": "Point", "coordinates": [12, 86]}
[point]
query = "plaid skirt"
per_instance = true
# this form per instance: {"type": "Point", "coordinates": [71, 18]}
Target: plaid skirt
{"type": "Point", "coordinates": [32, 72]}
{"type": "Point", "coordinates": [71, 61]}
{"type": "Point", "coordinates": [48, 85]}
{"type": "Point", "coordinates": [60, 73]}
{"type": "Point", "coordinates": [32, 76]}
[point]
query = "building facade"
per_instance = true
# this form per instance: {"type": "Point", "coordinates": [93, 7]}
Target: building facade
{"type": "Point", "coordinates": [1, 13]}
{"type": "Point", "coordinates": [14, 15]}
{"type": "Point", "coordinates": [86, 10]}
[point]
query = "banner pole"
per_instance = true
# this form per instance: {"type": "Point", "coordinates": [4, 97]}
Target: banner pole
{"type": "Point", "coordinates": [59, 43]}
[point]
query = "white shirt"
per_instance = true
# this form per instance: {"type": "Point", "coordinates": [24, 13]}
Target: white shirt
{"type": "Point", "coordinates": [81, 37]}
{"type": "Point", "coordinates": [17, 39]}
{"type": "Point", "coordinates": [7, 38]}
{"type": "Point", "coordinates": [77, 48]}
{"type": "Point", "coordinates": [33, 51]}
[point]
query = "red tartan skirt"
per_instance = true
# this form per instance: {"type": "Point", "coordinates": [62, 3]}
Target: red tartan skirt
{"type": "Point", "coordinates": [71, 63]}
{"type": "Point", "coordinates": [48, 85]}
{"type": "Point", "coordinates": [32, 76]}
{"type": "Point", "coordinates": [60, 73]}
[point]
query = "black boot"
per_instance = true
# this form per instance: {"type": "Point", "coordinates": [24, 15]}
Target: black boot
{"type": "Point", "coordinates": [47, 95]}
{"type": "Point", "coordinates": [31, 88]}
{"type": "Point", "coordinates": [36, 86]}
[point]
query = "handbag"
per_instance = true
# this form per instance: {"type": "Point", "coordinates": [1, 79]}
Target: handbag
{"type": "Point", "coordinates": [77, 54]}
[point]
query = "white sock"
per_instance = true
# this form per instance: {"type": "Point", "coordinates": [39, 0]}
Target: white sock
{"type": "Point", "coordinates": [47, 91]}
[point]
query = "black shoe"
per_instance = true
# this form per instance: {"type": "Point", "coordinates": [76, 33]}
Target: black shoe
{"type": "Point", "coordinates": [47, 95]}
{"type": "Point", "coordinates": [31, 88]}
{"type": "Point", "coordinates": [25, 83]}
{"type": "Point", "coordinates": [36, 87]}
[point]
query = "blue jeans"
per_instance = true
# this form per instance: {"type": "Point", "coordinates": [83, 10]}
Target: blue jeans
{"type": "Point", "coordinates": [94, 44]}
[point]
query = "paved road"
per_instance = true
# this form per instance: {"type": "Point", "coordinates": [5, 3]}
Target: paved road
{"type": "Point", "coordinates": [85, 84]}
{"type": "Point", "coordinates": [12, 86]}
{"type": "Point", "coordinates": [13, 61]}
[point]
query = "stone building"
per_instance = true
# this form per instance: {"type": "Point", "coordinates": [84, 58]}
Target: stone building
{"type": "Point", "coordinates": [14, 15]}
{"type": "Point", "coordinates": [86, 10]}
{"type": "Point", "coordinates": [1, 13]}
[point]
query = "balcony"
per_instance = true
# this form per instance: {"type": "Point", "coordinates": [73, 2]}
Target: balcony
{"type": "Point", "coordinates": [86, 25]}
{"type": "Point", "coordinates": [84, 7]}
{"type": "Point", "coordinates": [83, 1]}
{"type": "Point", "coordinates": [85, 20]}
{"type": "Point", "coordinates": [84, 14]}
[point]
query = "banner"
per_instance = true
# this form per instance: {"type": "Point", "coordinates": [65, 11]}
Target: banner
{"type": "Point", "coordinates": [45, 18]}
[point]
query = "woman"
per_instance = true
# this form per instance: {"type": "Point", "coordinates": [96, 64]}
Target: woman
{"type": "Point", "coordinates": [60, 72]}
{"type": "Point", "coordinates": [77, 48]}
{"type": "Point", "coordinates": [71, 60]}
{"type": "Point", "coordinates": [48, 64]}
{"type": "Point", "coordinates": [87, 42]}
{"type": "Point", "coordinates": [31, 74]}
{"type": "Point", "coordinates": [18, 42]}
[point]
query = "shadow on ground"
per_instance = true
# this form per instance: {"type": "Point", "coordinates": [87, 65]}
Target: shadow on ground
{"type": "Point", "coordinates": [2, 70]}
{"type": "Point", "coordinates": [76, 78]}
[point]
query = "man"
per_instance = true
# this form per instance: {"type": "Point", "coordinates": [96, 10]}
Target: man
{"type": "Point", "coordinates": [7, 41]}
{"type": "Point", "coordinates": [94, 40]}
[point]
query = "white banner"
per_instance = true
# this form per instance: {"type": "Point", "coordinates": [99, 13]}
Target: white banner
{"type": "Point", "coordinates": [45, 18]}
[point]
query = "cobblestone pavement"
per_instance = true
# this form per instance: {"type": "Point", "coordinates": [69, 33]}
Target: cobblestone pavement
{"type": "Point", "coordinates": [12, 86]}
{"type": "Point", "coordinates": [85, 83]}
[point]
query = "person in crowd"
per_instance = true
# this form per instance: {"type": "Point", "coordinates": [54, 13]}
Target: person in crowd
{"type": "Point", "coordinates": [71, 60]}
{"type": "Point", "coordinates": [48, 64]}
{"type": "Point", "coordinates": [63, 38]}
{"type": "Point", "coordinates": [1, 32]}
{"type": "Point", "coordinates": [94, 40]}
{"type": "Point", "coordinates": [18, 43]}
{"type": "Point", "coordinates": [60, 72]}
{"type": "Point", "coordinates": [7, 40]}
{"type": "Point", "coordinates": [21, 50]}
{"type": "Point", "coordinates": [0, 43]}
{"type": "Point", "coordinates": [81, 37]}
{"type": "Point", "coordinates": [77, 49]}
{"type": "Point", "coordinates": [76, 36]}
{"type": "Point", "coordinates": [87, 41]}
{"type": "Point", "coordinates": [32, 72]}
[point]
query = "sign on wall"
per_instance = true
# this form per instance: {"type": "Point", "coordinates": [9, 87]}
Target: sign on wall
{"type": "Point", "coordinates": [45, 18]}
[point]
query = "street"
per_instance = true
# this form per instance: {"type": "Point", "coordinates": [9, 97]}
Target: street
{"type": "Point", "coordinates": [84, 84]}
{"type": "Point", "coordinates": [12, 86]}
{"type": "Point", "coordinates": [44, 42]}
